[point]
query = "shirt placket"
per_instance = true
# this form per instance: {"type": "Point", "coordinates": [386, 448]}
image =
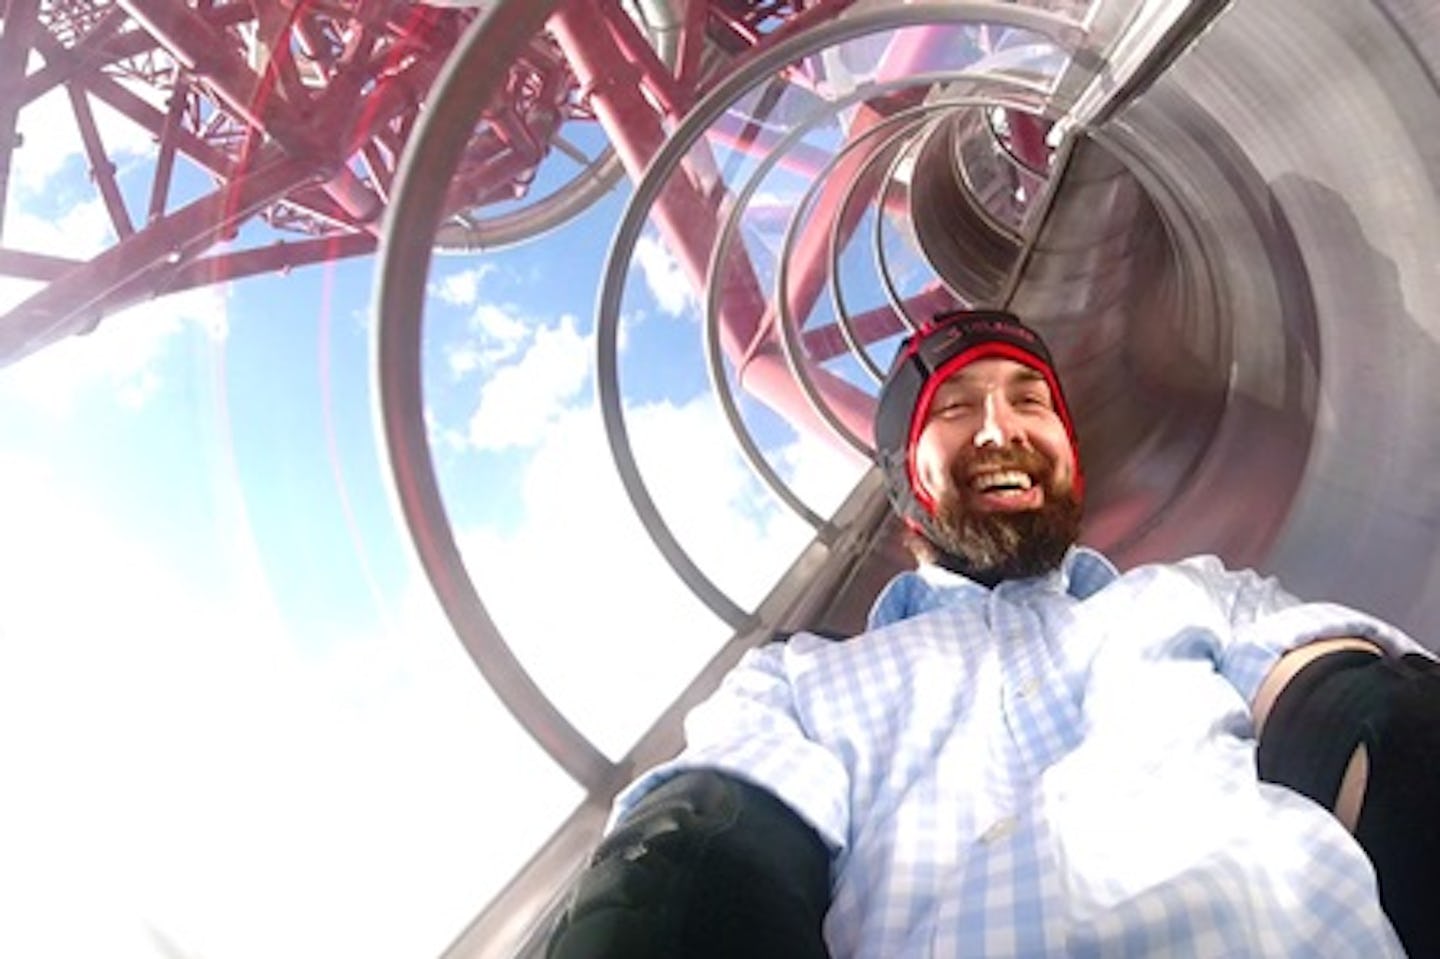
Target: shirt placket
{"type": "Point", "coordinates": [1040, 714]}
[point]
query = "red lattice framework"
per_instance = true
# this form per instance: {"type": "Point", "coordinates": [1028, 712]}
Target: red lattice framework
{"type": "Point", "coordinates": [297, 114]}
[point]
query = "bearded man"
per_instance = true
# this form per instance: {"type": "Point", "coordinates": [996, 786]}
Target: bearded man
{"type": "Point", "coordinates": [1029, 753]}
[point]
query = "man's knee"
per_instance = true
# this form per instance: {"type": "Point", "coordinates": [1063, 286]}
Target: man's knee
{"type": "Point", "coordinates": [706, 865]}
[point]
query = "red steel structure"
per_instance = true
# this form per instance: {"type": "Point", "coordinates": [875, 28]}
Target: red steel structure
{"type": "Point", "coordinates": [295, 116]}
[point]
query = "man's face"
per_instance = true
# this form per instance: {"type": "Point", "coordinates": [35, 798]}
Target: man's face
{"type": "Point", "coordinates": [995, 458]}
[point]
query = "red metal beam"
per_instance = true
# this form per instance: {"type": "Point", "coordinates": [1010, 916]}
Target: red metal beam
{"type": "Point", "coordinates": [685, 218]}
{"type": "Point", "coordinates": [210, 53]}
{"type": "Point", "coordinates": [690, 61]}
{"type": "Point", "coordinates": [277, 258]}
{"type": "Point", "coordinates": [34, 266]}
{"type": "Point", "coordinates": [136, 110]}
{"type": "Point", "coordinates": [363, 109]}
{"type": "Point", "coordinates": [75, 302]}
{"type": "Point", "coordinates": [373, 73]}
{"type": "Point", "coordinates": [275, 102]}
{"type": "Point", "coordinates": [102, 171]}
{"type": "Point", "coordinates": [92, 48]}
{"type": "Point", "coordinates": [165, 158]}
{"type": "Point", "coordinates": [689, 223]}
{"type": "Point", "coordinates": [102, 45]}
{"type": "Point", "coordinates": [337, 132]}
{"type": "Point", "coordinates": [811, 252]}
{"type": "Point", "coordinates": [826, 342]}
{"type": "Point", "coordinates": [15, 42]}
{"type": "Point", "coordinates": [672, 98]}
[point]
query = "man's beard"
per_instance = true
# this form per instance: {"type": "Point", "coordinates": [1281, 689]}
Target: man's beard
{"type": "Point", "coordinates": [994, 546]}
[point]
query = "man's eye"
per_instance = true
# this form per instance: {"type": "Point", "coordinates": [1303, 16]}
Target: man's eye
{"type": "Point", "coordinates": [1035, 401]}
{"type": "Point", "coordinates": [953, 407]}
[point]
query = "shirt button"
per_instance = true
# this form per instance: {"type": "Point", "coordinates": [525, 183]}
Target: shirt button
{"type": "Point", "coordinates": [998, 830]}
{"type": "Point", "coordinates": [1028, 688]}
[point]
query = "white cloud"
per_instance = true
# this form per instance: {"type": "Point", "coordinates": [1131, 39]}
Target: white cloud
{"type": "Point", "coordinates": [497, 333]}
{"type": "Point", "coordinates": [664, 277]}
{"type": "Point", "coordinates": [464, 358]}
{"type": "Point", "coordinates": [77, 234]}
{"type": "Point", "coordinates": [518, 401]}
{"type": "Point", "coordinates": [441, 435]}
{"type": "Point", "coordinates": [583, 594]}
{"type": "Point", "coordinates": [818, 472]}
{"type": "Point", "coordinates": [461, 288]}
{"type": "Point", "coordinates": [499, 325]}
{"type": "Point", "coordinates": [122, 354]}
{"type": "Point", "coordinates": [177, 771]}
{"type": "Point", "coordinates": [14, 290]}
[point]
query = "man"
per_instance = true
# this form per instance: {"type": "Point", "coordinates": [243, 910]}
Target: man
{"type": "Point", "coordinates": [1029, 753]}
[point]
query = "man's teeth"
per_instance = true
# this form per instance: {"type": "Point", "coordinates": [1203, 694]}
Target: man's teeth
{"type": "Point", "coordinates": [1002, 480]}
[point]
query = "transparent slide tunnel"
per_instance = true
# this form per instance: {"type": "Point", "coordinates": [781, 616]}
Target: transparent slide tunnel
{"type": "Point", "coordinates": [1224, 216]}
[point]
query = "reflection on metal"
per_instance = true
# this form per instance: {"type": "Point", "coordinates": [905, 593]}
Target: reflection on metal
{"type": "Point", "coordinates": [970, 250]}
{"type": "Point", "coordinates": [1284, 341]}
{"type": "Point", "coordinates": [445, 133]}
{"type": "Point", "coordinates": [1103, 284]}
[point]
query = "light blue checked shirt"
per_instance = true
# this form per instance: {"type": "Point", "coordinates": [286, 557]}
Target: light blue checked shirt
{"type": "Point", "coordinates": [1063, 766]}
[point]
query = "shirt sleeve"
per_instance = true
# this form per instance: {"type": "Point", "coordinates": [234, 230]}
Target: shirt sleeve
{"type": "Point", "coordinates": [750, 729]}
{"type": "Point", "coordinates": [1267, 622]}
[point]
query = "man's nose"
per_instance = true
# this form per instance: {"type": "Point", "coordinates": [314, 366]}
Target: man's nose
{"type": "Point", "coordinates": [1000, 426]}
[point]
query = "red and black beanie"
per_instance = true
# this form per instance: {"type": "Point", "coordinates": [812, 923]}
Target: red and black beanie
{"type": "Point", "coordinates": [927, 358]}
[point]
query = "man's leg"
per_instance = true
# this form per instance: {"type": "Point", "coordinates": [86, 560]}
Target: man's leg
{"type": "Point", "coordinates": [706, 866]}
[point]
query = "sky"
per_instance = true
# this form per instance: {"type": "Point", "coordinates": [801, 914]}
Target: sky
{"type": "Point", "coordinates": [233, 721]}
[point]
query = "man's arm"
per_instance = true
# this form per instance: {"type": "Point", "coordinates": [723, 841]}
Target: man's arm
{"type": "Point", "coordinates": [1352, 783]}
{"type": "Point", "coordinates": [1290, 664]}
{"type": "Point", "coordinates": [1358, 730]}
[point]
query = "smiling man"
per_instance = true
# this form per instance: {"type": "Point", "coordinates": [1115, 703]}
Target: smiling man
{"type": "Point", "coordinates": [1029, 752]}
{"type": "Point", "coordinates": [979, 450]}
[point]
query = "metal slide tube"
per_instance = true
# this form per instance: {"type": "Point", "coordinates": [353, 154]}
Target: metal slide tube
{"type": "Point", "coordinates": [444, 130]}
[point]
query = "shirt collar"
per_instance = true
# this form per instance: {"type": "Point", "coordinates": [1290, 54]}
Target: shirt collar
{"type": "Point", "coordinates": [1082, 573]}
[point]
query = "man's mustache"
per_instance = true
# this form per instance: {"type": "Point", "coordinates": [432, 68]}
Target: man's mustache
{"type": "Point", "coordinates": [990, 459]}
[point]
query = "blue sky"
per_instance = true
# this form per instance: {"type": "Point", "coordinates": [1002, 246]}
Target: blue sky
{"type": "Point", "coordinates": [234, 722]}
